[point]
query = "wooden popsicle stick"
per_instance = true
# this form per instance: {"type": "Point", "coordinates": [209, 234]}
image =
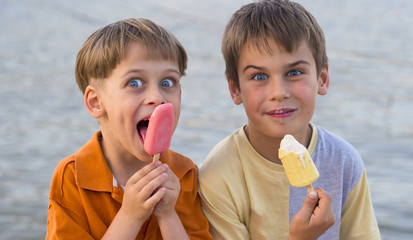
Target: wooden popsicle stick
{"type": "Point", "coordinates": [310, 188]}
{"type": "Point", "coordinates": [156, 157]}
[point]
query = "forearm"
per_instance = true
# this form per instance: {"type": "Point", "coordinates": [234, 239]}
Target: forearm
{"type": "Point", "coordinates": [172, 228]}
{"type": "Point", "coordinates": [123, 227]}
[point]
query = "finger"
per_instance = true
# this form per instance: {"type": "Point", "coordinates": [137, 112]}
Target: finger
{"type": "Point", "coordinates": [151, 187]}
{"type": "Point", "coordinates": [325, 198]}
{"type": "Point", "coordinates": [155, 198]}
{"type": "Point", "coordinates": [144, 171]}
{"type": "Point", "coordinates": [308, 207]}
{"type": "Point", "coordinates": [172, 182]}
{"type": "Point", "coordinates": [324, 205]}
{"type": "Point", "coordinates": [147, 174]}
{"type": "Point", "coordinates": [154, 174]}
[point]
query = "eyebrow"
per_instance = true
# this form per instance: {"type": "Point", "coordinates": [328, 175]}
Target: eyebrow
{"type": "Point", "coordinates": [139, 70]}
{"type": "Point", "coordinates": [133, 70]}
{"type": "Point", "coordinates": [298, 63]}
{"type": "Point", "coordinates": [290, 65]}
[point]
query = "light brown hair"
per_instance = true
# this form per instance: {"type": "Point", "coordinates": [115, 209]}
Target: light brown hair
{"type": "Point", "coordinates": [287, 23]}
{"type": "Point", "coordinates": [106, 47]}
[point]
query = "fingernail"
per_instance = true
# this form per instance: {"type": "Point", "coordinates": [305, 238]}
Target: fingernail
{"type": "Point", "coordinates": [158, 163]}
{"type": "Point", "coordinates": [313, 195]}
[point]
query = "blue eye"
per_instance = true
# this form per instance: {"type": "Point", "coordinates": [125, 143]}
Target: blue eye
{"type": "Point", "coordinates": [167, 83]}
{"type": "Point", "coordinates": [294, 73]}
{"type": "Point", "coordinates": [260, 77]}
{"type": "Point", "coordinates": [135, 83]}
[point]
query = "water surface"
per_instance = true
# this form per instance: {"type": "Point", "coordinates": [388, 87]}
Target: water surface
{"type": "Point", "coordinates": [42, 118]}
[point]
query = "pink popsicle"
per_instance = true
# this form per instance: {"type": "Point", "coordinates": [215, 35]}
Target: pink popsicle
{"type": "Point", "coordinates": [160, 129]}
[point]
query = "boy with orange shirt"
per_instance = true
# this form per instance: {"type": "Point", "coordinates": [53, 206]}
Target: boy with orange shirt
{"type": "Point", "coordinates": [110, 189]}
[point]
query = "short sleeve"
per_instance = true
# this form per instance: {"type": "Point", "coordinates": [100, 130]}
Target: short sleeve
{"type": "Point", "coordinates": [357, 218]}
{"type": "Point", "coordinates": [64, 221]}
{"type": "Point", "coordinates": [62, 225]}
{"type": "Point", "coordinates": [222, 214]}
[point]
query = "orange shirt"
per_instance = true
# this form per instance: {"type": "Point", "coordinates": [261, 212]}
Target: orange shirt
{"type": "Point", "coordinates": [83, 200]}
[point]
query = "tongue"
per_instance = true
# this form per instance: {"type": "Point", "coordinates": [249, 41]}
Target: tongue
{"type": "Point", "coordinates": [142, 131]}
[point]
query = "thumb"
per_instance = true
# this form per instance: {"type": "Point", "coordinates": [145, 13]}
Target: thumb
{"type": "Point", "coordinates": [309, 204]}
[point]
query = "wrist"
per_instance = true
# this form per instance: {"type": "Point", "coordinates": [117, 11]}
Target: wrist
{"type": "Point", "coordinates": [123, 226]}
{"type": "Point", "coordinates": [168, 217]}
{"type": "Point", "coordinates": [129, 219]}
{"type": "Point", "coordinates": [171, 226]}
{"type": "Point", "coordinates": [307, 237]}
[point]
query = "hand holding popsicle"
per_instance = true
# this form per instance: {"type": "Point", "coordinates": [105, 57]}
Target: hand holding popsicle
{"type": "Point", "coordinates": [314, 218]}
{"type": "Point", "coordinates": [160, 129]}
{"type": "Point", "coordinates": [297, 162]}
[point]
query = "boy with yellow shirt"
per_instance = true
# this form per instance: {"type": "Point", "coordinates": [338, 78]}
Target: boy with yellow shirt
{"type": "Point", "coordinates": [276, 64]}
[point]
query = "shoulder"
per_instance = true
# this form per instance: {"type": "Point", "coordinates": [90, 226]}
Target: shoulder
{"type": "Point", "coordinates": [329, 143]}
{"type": "Point", "coordinates": [333, 142]}
{"type": "Point", "coordinates": [86, 169]}
{"type": "Point", "coordinates": [222, 171]}
{"type": "Point", "coordinates": [335, 155]}
{"type": "Point", "coordinates": [64, 173]}
{"type": "Point", "coordinates": [222, 158]}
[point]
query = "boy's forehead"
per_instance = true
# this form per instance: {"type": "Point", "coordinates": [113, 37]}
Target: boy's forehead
{"type": "Point", "coordinates": [268, 45]}
{"type": "Point", "coordinates": [135, 48]}
{"type": "Point", "coordinates": [139, 57]}
{"type": "Point", "coordinates": [253, 51]}
{"type": "Point", "coordinates": [143, 51]}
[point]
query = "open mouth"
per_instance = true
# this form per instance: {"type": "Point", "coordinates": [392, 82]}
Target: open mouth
{"type": "Point", "coordinates": [142, 127]}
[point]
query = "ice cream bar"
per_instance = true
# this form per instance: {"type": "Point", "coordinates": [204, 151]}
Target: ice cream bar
{"type": "Point", "coordinates": [160, 129]}
{"type": "Point", "coordinates": [297, 162]}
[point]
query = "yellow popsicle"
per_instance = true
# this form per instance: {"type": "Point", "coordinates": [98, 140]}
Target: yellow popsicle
{"type": "Point", "coordinates": [297, 162]}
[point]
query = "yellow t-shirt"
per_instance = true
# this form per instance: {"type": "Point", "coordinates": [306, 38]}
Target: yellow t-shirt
{"type": "Point", "coordinates": [245, 196]}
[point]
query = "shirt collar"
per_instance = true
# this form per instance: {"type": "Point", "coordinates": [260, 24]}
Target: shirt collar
{"type": "Point", "coordinates": [92, 171]}
{"type": "Point", "coordinates": [314, 138]}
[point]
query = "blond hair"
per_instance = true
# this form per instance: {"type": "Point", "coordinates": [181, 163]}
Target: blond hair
{"type": "Point", "coordinates": [106, 48]}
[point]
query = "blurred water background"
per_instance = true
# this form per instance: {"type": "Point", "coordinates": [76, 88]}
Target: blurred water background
{"type": "Point", "coordinates": [42, 117]}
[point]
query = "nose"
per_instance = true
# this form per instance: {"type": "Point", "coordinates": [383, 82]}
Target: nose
{"type": "Point", "coordinates": [278, 89]}
{"type": "Point", "coordinates": [154, 96]}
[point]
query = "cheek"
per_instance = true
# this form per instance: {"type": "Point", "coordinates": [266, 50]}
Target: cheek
{"type": "Point", "coordinates": [308, 98]}
{"type": "Point", "coordinates": [252, 102]}
{"type": "Point", "coordinates": [177, 114]}
{"type": "Point", "coordinates": [255, 95]}
{"type": "Point", "coordinates": [174, 97]}
{"type": "Point", "coordinates": [306, 91]}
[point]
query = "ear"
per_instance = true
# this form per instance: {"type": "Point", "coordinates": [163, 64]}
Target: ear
{"type": "Point", "coordinates": [93, 103]}
{"type": "Point", "coordinates": [234, 91]}
{"type": "Point", "coordinates": [323, 81]}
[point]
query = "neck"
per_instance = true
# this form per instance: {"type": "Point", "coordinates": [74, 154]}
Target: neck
{"type": "Point", "coordinates": [268, 146]}
{"type": "Point", "coordinates": [265, 146]}
{"type": "Point", "coordinates": [122, 164]}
